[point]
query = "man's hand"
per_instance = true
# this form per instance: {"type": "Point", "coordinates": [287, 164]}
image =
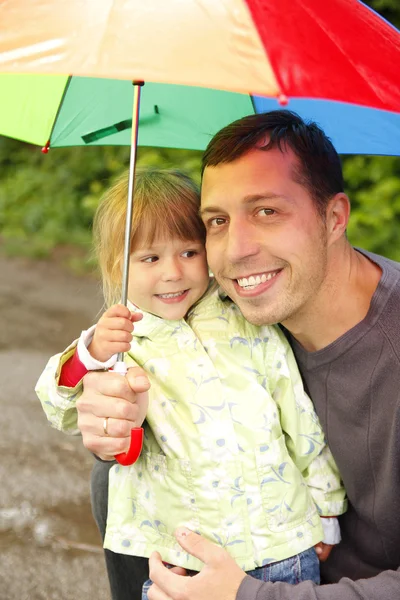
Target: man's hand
{"type": "Point", "coordinates": [122, 400]}
{"type": "Point", "coordinates": [220, 577]}
{"type": "Point", "coordinates": [113, 332]}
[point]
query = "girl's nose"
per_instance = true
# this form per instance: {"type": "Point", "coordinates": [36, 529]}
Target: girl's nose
{"type": "Point", "coordinates": [173, 270]}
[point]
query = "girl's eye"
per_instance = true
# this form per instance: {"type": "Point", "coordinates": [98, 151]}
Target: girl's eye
{"type": "Point", "coordinates": [189, 253]}
{"type": "Point", "coordinates": [150, 259]}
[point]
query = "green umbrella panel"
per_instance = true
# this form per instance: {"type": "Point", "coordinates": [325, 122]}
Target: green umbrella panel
{"type": "Point", "coordinates": [81, 111]}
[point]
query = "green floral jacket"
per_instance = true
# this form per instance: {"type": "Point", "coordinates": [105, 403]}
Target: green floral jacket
{"type": "Point", "coordinates": [233, 448]}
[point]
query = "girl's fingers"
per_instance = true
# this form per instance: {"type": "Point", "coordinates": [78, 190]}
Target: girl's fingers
{"type": "Point", "coordinates": [106, 349]}
{"type": "Point", "coordinates": [116, 323]}
{"type": "Point", "coordinates": [116, 347]}
{"type": "Point", "coordinates": [118, 310]}
{"type": "Point", "coordinates": [323, 551]}
{"type": "Point", "coordinates": [112, 335]}
{"type": "Point", "coordinates": [136, 316]}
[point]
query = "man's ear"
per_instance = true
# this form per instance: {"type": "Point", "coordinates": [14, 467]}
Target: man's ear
{"type": "Point", "coordinates": [337, 216]}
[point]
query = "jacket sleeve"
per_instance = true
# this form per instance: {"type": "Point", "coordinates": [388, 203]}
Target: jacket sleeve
{"type": "Point", "coordinates": [58, 402]}
{"type": "Point", "coordinates": [304, 437]}
{"type": "Point", "coordinates": [384, 586]}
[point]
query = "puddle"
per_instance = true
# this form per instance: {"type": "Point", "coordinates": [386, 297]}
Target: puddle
{"type": "Point", "coordinates": [67, 527]}
{"type": "Point", "coordinates": [17, 518]}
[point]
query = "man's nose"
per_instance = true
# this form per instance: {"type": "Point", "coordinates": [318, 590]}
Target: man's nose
{"type": "Point", "coordinates": [173, 270]}
{"type": "Point", "coordinates": [241, 242]}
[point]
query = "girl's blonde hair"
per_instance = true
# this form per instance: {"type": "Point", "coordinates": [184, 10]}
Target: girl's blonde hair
{"type": "Point", "coordinates": [165, 205]}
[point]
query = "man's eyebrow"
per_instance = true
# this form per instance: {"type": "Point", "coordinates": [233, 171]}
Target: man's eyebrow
{"type": "Point", "coordinates": [253, 198]}
{"type": "Point", "coordinates": [247, 200]}
{"type": "Point", "coordinates": [209, 210]}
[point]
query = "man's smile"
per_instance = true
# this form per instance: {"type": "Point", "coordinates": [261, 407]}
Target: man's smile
{"type": "Point", "coordinates": [255, 284]}
{"type": "Point", "coordinates": [252, 281]}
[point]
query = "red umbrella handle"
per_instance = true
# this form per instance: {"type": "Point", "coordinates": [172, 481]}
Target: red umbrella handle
{"type": "Point", "coordinates": [135, 447]}
{"type": "Point", "coordinates": [129, 458]}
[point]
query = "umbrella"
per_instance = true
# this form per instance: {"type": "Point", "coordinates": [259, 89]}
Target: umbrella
{"type": "Point", "coordinates": [228, 49]}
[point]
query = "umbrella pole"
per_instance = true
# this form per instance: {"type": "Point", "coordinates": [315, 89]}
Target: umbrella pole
{"type": "Point", "coordinates": [137, 433]}
{"type": "Point", "coordinates": [131, 186]}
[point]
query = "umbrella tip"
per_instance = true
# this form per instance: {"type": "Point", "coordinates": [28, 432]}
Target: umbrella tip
{"type": "Point", "coordinates": [45, 148]}
{"type": "Point", "coordinates": [283, 99]}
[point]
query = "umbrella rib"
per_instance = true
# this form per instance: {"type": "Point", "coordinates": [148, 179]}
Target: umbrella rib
{"type": "Point", "coordinates": [58, 110]}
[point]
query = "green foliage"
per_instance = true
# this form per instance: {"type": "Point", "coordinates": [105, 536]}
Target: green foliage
{"type": "Point", "coordinates": [373, 185]}
{"type": "Point", "coordinates": [389, 9]}
{"type": "Point", "coordinates": [49, 200]}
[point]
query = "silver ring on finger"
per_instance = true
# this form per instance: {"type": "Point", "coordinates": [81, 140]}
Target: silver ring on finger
{"type": "Point", "coordinates": [105, 426]}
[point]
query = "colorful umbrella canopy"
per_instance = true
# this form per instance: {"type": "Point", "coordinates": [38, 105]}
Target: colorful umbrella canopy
{"type": "Point", "coordinates": [77, 111]}
{"type": "Point", "coordinates": [337, 50]}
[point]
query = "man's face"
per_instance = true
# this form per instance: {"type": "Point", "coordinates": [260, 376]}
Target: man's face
{"type": "Point", "coordinates": [266, 243]}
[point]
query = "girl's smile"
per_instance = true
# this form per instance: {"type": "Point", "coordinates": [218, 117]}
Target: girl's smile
{"type": "Point", "coordinates": [172, 296]}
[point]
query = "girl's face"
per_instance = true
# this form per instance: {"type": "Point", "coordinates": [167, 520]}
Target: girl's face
{"type": "Point", "coordinates": [167, 278]}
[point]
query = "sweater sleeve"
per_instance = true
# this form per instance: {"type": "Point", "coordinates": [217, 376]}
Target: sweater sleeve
{"type": "Point", "coordinates": [304, 437]}
{"type": "Point", "coordinates": [384, 586]}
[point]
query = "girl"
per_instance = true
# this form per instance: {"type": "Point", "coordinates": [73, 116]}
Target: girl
{"type": "Point", "coordinates": [233, 448]}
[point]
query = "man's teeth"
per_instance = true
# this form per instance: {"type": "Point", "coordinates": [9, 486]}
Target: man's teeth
{"type": "Point", "coordinates": [175, 295]}
{"type": "Point", "coordinates": [255, 280]}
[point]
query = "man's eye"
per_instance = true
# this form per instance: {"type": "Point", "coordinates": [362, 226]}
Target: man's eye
{"type": "Point", "coordinates": [266, 212]}
{"type": "Point", "coordinates": [216, 222]}
{"type": "Point", "coordinates": [150, 259]}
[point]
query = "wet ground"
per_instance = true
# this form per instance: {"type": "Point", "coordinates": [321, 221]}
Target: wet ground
{"type": "Point", "coordinates": [49, 544]}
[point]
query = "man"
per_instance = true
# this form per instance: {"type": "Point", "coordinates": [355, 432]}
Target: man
{"type": "Point", "coordinates": [276, 217]}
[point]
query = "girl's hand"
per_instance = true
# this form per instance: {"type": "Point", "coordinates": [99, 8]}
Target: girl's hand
{"type": "Point", "coordinates": [113, 332]}
{"type": "Point", "coordinates": [323, 550]}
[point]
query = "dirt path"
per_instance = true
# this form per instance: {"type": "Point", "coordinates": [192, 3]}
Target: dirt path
{"type": "Point", "coordinates": [49, 545]}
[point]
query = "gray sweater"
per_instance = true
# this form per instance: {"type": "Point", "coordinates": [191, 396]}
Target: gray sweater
{"type": "Point", "coordinates": [355, 386]}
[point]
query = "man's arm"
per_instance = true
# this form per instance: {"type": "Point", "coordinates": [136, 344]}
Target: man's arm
{"type": "Point", "coordinates": [385, 586]}
{"type": "Point", "coordinates": [224, 579]}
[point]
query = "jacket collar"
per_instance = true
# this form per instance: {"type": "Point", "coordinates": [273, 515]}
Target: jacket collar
{"type": "Point", "coordinates": [151, 325]}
